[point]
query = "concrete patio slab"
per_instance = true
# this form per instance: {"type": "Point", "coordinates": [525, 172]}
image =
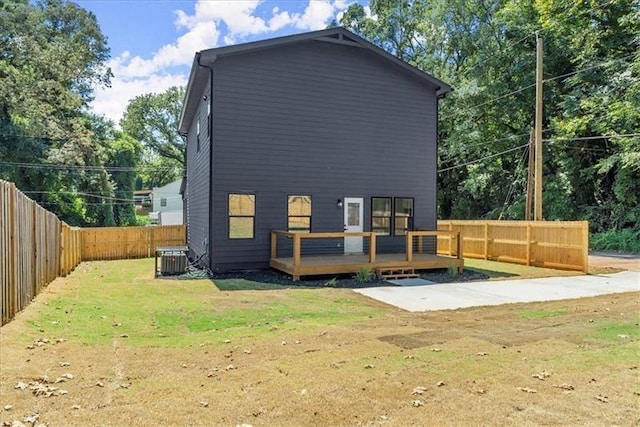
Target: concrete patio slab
{"type": "Point", "coordinates": [411, 282]}
{"type": "Point", "coordinates": [447, 296]}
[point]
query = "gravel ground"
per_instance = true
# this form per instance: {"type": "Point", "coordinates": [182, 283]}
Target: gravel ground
{"type": "Point", "coordinates": [341, 280]}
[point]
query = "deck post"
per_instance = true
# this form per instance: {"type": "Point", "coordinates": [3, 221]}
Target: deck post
{"type": "Point", "coordinates": [296, 256]}
{"type": "Point", "coordinates": [409, 244]}
{"type": "Point", "coordinates": [274, 243]}
{"type": "Point", "coordinates": [372, 247]}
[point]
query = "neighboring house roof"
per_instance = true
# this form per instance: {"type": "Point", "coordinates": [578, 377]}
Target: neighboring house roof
{"type": "Point", "coordinates": [200, 74]}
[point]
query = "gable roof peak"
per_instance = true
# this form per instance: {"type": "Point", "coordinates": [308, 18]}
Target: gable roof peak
{"type": "Point", "coordinates": [340, 35]}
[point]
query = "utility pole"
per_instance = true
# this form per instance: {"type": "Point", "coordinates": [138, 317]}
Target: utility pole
{"type": "Point", "coordinates": [532, 144]}
{"type": "Point", "coordinates": [538, 126]}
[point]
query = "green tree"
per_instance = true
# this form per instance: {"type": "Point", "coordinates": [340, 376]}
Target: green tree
{"type": "Point", "coordinates": [52, 56]}
{"type": "Point", "coordinates": [486, 51]}
{"type": "Point", "coordinates": [153, 120]}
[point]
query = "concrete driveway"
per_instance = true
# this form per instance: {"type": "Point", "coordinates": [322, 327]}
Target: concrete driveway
{"type": "Point", "coordinates": [470, 294]}
{"type": "Point", "coordinates": [613, 260]}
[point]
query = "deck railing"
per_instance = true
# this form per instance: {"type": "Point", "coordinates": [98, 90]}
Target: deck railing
{"type": "Point", "coordinates": [414, 244]}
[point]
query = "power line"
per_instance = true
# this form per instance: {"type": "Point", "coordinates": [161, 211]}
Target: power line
{"type": "Point", "coordinates": [513, 182]}
{"type": "Point", "coordinates": [86, 203]}
{"type": "Point", "coordinates": [547, 80]}
{"type": "Point", "coordinates": [588, 138]}
{"type": "Point", "coordinates": [502, 97]}
{"type": "Point", "coordinates": [483, 158]}
{"type": "Point", "coordinates": [80, 193]}
{"type": "Point", "coordinates": [512, 137]}
{"type": "Point", "coordinates": [610, 61]}
{"type": "Point", "coordinates": [489, 57]}
{"type": "Point", "coordinates": [91, 168]}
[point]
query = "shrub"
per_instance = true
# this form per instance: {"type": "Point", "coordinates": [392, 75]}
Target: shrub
{"type": "Point", "coordinates": [331, 283]}
{"type": "Point", "coordinates": [627, 240]}
{"type": "Point", "coordinates": [452, 270]}
{"type": "Point", "coordinates": [364, 275]}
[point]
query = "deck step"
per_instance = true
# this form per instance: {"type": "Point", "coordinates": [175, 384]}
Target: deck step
{"type": "Point", "coordinates": [396, 273]}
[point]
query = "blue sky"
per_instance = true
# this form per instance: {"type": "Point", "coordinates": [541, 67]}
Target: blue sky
{"type": "Point", "coordinates": [153, 42]}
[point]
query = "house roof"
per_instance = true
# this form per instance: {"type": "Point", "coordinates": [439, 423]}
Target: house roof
{"type": "Point", "coordinates": [200, 73]}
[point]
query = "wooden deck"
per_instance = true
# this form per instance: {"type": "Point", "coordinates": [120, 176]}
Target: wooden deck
{"type": "Point", "coordinates": [298, 265]}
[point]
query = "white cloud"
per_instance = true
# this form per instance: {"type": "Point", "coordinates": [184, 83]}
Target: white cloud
{"type": "Point", "coordinates": [316, 16]}
{"type": "Point", "coordinates": [111, 102]}
{"type": "Point", "coordinates": [231, 20]}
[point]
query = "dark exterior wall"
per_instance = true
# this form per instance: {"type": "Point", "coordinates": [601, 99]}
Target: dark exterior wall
{"type": "Point", "coordinates": [317, 119]}
{"type": "Point", "coordinates": [198, 185]}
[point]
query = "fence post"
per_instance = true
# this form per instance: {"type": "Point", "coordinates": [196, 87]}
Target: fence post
{"type": "Point", "coordinates": [585, 247]}
{"type": "Point", "coordinates": [486, 240]}
{"type": "Point", "coordinates": [528, 243]}
{"type": "Point", "coordinates": [149, 241]}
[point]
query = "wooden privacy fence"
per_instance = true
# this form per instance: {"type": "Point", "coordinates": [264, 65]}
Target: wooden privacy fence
{"type": "Point", "coordinates": [35, 248]}
{"type": "Point", "coordinates": [555, 244]}
{"type": "Point", "coordinates": [105, 243]}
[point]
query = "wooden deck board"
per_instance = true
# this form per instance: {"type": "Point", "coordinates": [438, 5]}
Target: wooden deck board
{"type": "Point", "coordinates": [341, 264]}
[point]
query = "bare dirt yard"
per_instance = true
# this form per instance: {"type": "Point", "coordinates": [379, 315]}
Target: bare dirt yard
{"type": "Point", "coordinates": [111, 345]}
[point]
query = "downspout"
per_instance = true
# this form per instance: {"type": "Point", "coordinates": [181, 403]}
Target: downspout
{"type": "Point", "coordinates": [183, 190]}
{"type": "Point", "coordinates": [209, 248]}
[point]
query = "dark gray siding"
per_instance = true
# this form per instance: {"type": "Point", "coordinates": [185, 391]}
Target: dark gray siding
{"type": "Point", "coordinates": [317, 119]}
{"type": "Point", "coordinates": [198, 182]}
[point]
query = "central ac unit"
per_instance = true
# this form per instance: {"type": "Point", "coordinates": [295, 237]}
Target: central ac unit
{"type": "Point", "coordinates": [173, 263]}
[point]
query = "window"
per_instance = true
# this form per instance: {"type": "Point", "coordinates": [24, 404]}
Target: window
{"type": "Point", "coordinates": [299, 214]}
{"type": "Point", "coordinates": [381, 215]}
{"type": "Point", "coordinates": [242, 211]}
{"type": "Point", "coordinates": [163, 201]}
{"type": "Point", "coordinates": [403, 216]}
{"type": "Point", "coordinates": [198, 136]}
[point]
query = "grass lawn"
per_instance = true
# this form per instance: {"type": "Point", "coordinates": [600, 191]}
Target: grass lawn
{"type": "Point", "coordinates": [124, 297]}
{"type": "Point", "coordinates": [129, 349]}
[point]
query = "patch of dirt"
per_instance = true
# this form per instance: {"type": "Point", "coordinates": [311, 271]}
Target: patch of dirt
{"type": "Point", "coordinates": [347, 281]}
{"type": "Point", "coordinates": [603, 261]}
{"type": "Point", "coordinates": [479, 366]}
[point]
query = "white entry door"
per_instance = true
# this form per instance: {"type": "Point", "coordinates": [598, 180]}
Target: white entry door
{"type": "Point", "coordinates": [353, 220]}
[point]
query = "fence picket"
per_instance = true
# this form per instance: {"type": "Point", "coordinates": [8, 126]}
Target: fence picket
{"type": "Point", "coordinates": [36, 247]}
{"type": "Point", "coordinates": [555, 244]}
